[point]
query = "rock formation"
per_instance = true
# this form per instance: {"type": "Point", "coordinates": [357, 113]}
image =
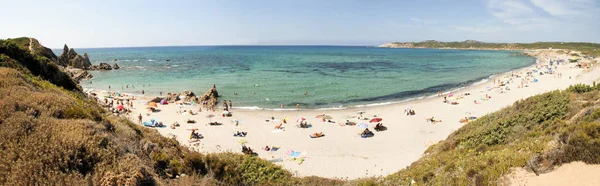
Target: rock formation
{"type": "Point", "coordinates": [70, 58]}
{"type": "Point", "coordinates": [83, 75]}
{"type": "Point", "coordinates": [102, 66]}
{"type": "Point", "coordinates": [115, 66]}
{"type": "Point", "coordinates": [211, 96]}
{"type": "Point", "coordinates": [189, 96]}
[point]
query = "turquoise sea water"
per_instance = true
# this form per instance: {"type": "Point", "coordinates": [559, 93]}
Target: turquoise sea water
{"type": "Point", "coordinates": [267, 76]}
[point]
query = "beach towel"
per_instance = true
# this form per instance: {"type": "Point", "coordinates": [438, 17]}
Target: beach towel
{"type": "Point", "coordinates": [148, 124]}
{"type": "Point", "coordinates": [295, 154]}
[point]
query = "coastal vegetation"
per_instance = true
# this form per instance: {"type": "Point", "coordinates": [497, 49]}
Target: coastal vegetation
{"type": "Point", "coordinates": [51, 133]}
{"type": "Point", "coordinates": [585, 48]}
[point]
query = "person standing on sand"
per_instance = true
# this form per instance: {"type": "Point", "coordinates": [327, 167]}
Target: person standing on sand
{"type": "Point", "coordinates": [282, 105]}
{"type": "Point", "coordinates": [140, 119]}
{"type": "Point", "coordinates": [230, 104]}
{"type": "Point", "coordinates": [142, 91]}
{"type": "Point", "coordinates": [108, 87]}
{"type": "Point", "coordinates": [297, 106]}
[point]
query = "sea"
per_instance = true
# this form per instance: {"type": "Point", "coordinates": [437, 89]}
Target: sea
{"type": "Point", "coordinates": [316, 77]}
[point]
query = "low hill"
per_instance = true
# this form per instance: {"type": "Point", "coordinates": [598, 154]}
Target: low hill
{"type": "Point", "coordinates": [586, 48]}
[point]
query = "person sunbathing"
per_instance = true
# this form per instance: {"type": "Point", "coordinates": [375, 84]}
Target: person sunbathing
{"type": "Point", "coordinates": [367, 133]}
{"type": "Point", "coordinates": [464, 120]}
{"type": "Point", "coordinates": [247, 150]}
{"type": "Point", "coordinates": [317, 135]}
{"type": "Point", "coordinates": [240, 134]}
{"type": "Point", "coordinates": [380, 127]}
{"type": "Point", "coordinates": [303, 125]}
{"type": "Point", "coordinates": [267, 148]}
{"type": "Point", "coordinates": [195, 135]}
{"type": "Point", "coordinates": [432, 120]}
{"type": "Point", "coordinates": [278, 126]}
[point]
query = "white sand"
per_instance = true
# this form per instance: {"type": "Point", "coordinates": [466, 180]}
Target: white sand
{"type": "Point", "coordinates": [574, 173]}
{"type": "Point", "coordinates": [342, 153]}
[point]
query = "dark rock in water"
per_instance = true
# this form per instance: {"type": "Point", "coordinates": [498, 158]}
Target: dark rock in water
{"type": "Point", "coordinates": [115, 66]}
{"type": "Point", "coordinates": [102, 66]}
{"type": "Point", "coordinates": [70, 58]}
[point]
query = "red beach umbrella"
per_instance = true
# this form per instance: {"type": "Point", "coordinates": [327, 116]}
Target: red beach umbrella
{"type": "Point", "coordinates": [120, 107]}
{"type": "Point", "coordinates": [375, 120]}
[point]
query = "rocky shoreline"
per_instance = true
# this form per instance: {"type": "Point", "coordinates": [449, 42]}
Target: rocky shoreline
{"type": "Point", "coordinates": [74, 64]}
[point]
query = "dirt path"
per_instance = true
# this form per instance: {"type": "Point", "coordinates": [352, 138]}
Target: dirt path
{"type": "Point", "coordinates": [30, 42]}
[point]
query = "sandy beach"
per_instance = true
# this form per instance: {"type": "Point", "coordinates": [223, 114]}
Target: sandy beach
{"type": "Point", "coordinates": [342, 153]}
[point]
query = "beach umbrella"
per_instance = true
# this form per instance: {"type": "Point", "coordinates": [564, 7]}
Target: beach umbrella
{"type": "Point", "coordinates": [362, 125]}
{"type": "Point", "coordinates": [301, 119]}
{"type": "Point", "coordinates": [120, 107]}
{"type": "Point", "coordinates": [163, 102]}
{"type": "Point", "coordinates": [209, 117]}
{"type": "Point", "coordinates": [374, 120]}
{"type": "Point", "coordinates": [152, 104]}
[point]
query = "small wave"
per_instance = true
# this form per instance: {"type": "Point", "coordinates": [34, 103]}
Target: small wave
{"type": "Point", "coordinates": [151, 60]}
{"type": "Point", "coordinates": [480, 82]}
{"type": "Point", "coordinates": [333, 108]}
{"type": "Point", "coordinates": [135, 60]}
{"type": "Point", "coordinates": [250, 108]}
{"type": "Point", "coordinates": [280, 109]}
{"type": "Point", "coordinates": [376, 104]}
{"type": "Point", "coordinates": [174, 65]}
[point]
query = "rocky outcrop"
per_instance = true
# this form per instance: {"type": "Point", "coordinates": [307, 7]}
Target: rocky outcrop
{"type": "Point", "coordinates": [211, 96]}
{"type": "Point", "coordinates": [101, 66]}
{"type": "Point", "coordinates": [83, 75]}
{"type": "Point", "coordinates": [187, 96]}
{"type": "Point", "coordinates": [116, 66]}
{"type": "Point", "coordinates": [70, 58]}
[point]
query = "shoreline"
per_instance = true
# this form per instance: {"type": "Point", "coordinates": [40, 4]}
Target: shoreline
{"type": "Point", "coordinates": [342, 153]}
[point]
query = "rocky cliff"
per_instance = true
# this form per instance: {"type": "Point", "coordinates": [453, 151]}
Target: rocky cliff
{"type": "Point", "coordinates": [70, 58]}
{"type": "Point", "coordinates": [37, 48]}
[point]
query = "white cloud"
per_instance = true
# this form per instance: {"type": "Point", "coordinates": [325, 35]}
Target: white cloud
{"type": "Point", "coordinates": [508, 9]}
{"type": "Point", "coordinates": [567, 7]}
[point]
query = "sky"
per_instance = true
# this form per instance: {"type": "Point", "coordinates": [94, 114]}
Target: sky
{"type": "Point", "coordinates": [124, 23]}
